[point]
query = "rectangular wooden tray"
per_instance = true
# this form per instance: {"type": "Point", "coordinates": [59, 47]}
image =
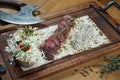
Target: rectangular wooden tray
{"type": "Point", "coordinates": [103, 21]}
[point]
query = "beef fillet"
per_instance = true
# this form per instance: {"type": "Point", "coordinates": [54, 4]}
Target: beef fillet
{"type": "Point", "coordinates": [53, 43]}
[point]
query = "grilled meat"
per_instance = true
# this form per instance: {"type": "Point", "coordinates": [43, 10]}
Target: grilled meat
{"type": "Point", "coordinates": [53, 43]}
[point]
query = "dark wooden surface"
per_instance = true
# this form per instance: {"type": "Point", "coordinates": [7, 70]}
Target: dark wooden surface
{"type": "Point", "coordinates": [53, 6]}
{"type": "Point", "coordinates": [5, 75]}
{"type": "Point", "coordinates": [103, 21]}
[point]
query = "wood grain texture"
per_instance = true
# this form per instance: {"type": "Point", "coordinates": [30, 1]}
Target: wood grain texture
{"type": "Point", "coordinates": [71, 74]}
{"type": "Point", "coordinates": [114, 12]}
{"type": "Point", "coordinates": [87, 71]}
{"type": "Point", "coordinates": [52, 6]}
{"type": "Point", "coordinates": [6, 75]}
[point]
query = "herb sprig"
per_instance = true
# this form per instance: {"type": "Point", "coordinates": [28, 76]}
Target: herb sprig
{"type": "Point", "coordinates": [29, 32]}
{"type": "Point", "coordinates": [114, 65]}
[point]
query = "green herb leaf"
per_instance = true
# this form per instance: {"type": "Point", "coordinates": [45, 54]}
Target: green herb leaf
{"type": "Point", "coordinates": [29, 32]}
{"type": "Point", "coordinates": [114, 65]}
{"type": "Point", "coordinates": [72, 43]}
{"type": "Point", "coordinates": [72, 19]}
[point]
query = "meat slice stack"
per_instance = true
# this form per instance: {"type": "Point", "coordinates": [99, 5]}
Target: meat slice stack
{"type": "Point", "coordinates": [53, 43]}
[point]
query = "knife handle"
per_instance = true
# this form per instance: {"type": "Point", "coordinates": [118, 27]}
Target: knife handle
{"type": "Point", "coordinates": [12, 3]}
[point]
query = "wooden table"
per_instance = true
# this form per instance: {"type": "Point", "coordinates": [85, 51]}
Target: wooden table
{"type": "Point", "coordinates": [91, 72]}
{"type": "Point", "coordinates": [52, 6]}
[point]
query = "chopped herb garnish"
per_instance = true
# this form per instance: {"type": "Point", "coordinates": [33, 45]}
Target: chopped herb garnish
{"type": "Point", "coordinates": [72, 43]}
{"type": "Point", "coordinates": [29, 32]}
{"type": "Point", "coordinates": [72, 19]}
{"type": "Point", "coordinates": [35, 34]}
{"type": "Point", "coordinates": [64, 47]}
{"type": "Point", "coordinates": [114, 65]}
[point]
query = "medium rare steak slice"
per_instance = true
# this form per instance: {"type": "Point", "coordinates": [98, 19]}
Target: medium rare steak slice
{"type": "Point", "coordinates": [53, 43]}
{"type": "Point", "coordinates": [49, 49]}
{"type": "Point", "coordinates": [54, 39]}
{"type": "Point", "coordinates": [61, 37]}
{"type": "Point", "coordinates": [66, 27]}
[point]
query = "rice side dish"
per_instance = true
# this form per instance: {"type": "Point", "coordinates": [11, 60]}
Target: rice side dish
{"type": "Point", "coordinates": [84, 35]}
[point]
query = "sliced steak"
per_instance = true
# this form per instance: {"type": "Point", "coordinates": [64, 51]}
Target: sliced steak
{"type": "Point", "coordinates": [60, 37]}
{"type": "Point", "coordinates": [49, 49]}
{"type": "Point", "coordinates": [53, 43]}
{"type": "Point", "coordinates": [68, 19]}
{"type": "Point", "coordinates": [60, 27]}
{"type": "Point", "coordinates": [66, 28]}
{"type": "Point", "coordinates": [54, 39]}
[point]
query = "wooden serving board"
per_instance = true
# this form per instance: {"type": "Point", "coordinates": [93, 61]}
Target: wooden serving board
{"type": "Point", "coordinates": [103, 21]}
{"type": "Point", "coordinates": [88, 71]}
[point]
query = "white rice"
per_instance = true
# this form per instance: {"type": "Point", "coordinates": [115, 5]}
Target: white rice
{"type": "Point", "coordinates": [83, 36]}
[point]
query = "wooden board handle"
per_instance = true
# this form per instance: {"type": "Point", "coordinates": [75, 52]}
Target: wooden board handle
{"type": "Point", "coordinates": [109, 5]}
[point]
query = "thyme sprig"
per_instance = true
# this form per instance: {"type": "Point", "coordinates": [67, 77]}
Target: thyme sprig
{"type": "Point", "coordinates": [114, 65]}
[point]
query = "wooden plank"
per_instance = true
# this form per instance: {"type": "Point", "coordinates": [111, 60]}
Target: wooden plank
{"type": "Point", "coordinates": [87, 71]}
